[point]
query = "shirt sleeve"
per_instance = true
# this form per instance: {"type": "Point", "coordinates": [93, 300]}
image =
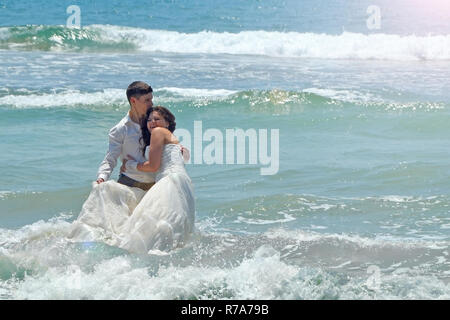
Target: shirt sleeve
{"type": "Point", "coordinates": [116, 138]}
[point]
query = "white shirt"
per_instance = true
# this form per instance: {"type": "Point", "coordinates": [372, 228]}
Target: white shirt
{"type": "Point", "coordinates": [125, 139]}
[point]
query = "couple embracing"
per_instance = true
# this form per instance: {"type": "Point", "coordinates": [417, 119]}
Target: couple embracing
{"type": "Point", "coordinates": [151, 207]}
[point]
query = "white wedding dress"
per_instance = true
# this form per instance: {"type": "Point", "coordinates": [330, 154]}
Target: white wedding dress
{"type": "Point", "coordinates": [138, 221]}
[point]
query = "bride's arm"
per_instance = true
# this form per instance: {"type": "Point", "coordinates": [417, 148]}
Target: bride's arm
{"type": "Point", "coordinates": [155, 153]}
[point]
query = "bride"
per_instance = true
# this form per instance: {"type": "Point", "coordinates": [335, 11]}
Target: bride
{"type": "Point", "coordinates": [164, 217]}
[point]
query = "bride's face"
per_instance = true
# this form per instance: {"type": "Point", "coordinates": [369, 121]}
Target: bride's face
{"type": "Point", "coordinates": [156, 120]}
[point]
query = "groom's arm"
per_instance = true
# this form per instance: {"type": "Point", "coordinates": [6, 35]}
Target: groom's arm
{"type": "Point", "coordinates": [116, 138]}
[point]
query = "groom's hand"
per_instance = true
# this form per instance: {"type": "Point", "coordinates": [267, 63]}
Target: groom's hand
{"type": "Point", "coordinates": [123, 167]}
{"type": "Point", "coordinates": [185, 153]}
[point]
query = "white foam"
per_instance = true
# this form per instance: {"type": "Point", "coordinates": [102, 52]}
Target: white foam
{"type": "Point", "coordinates": [262, 276]}
{"type": "Point", "coordinates": [13, 194]}
{"type": "Point", "coordinates": [4, 33]}
{"type": "Point", "coordinates": [363, 242]}
{"type": "Point", "coordinates": [396, 198]}
{"type": "Point", "coordinates": [61, 272]}
{"type": "Point", "coordinates": [285, 44]}
{"type": "Point", "coordinates": [197, 93]}
{"type": "Point", "coordinates": [109, 96]}
{"type": "Point", "coordinates": [286, 218]}
{"type": "Point", "coordinates": [324, 207]}
{"type": "Point", "coordinates": [5, 194]}
{"type": "Point", "coordinates": [255, 278]}
{"type": "Point", "coordinates": [345, 95]}
{"type": "Point", "coordinates": [35, 231]}
{"type": "Point", "coordinates": [66, 98]}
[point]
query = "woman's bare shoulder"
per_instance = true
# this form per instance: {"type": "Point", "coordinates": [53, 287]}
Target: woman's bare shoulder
{"type": "Point", "coordinates": [161, 131]}
{"type": "Point", "coordinates": [164, 133]}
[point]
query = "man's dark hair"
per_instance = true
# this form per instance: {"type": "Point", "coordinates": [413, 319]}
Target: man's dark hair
{"type": "Point", "coordinates": [138, 89]}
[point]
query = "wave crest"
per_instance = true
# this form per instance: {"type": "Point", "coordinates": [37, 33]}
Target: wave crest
{"type": "Point", "coordinates": [273, 101]}
{"type": "Point", "coordinates": [269, 43]}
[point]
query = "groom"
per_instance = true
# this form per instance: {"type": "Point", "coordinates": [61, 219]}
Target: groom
{"type": "Point", "coordinates": [125, 139]}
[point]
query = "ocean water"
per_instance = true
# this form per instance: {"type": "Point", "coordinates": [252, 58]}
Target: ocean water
{"type": "Point", "coordinates": [358, 206]}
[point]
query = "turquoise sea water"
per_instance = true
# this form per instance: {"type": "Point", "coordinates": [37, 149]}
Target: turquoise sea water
{"type": "Point", "coordinates": [359, 206]}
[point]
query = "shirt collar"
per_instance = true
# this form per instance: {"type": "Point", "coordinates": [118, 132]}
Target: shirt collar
{"type": "Point", "coordinates": [128, 120]}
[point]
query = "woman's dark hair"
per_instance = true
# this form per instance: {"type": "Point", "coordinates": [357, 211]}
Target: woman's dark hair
{"type": "Point", "coordinates": [166, 114]}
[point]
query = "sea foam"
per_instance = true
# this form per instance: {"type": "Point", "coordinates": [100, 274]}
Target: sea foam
{"type": "Point", "coordinates": [347, 45]}
{"type": "Point", "coordinates": [286, 44]}
{"type": "Point", "coordinates": [109, 97]}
